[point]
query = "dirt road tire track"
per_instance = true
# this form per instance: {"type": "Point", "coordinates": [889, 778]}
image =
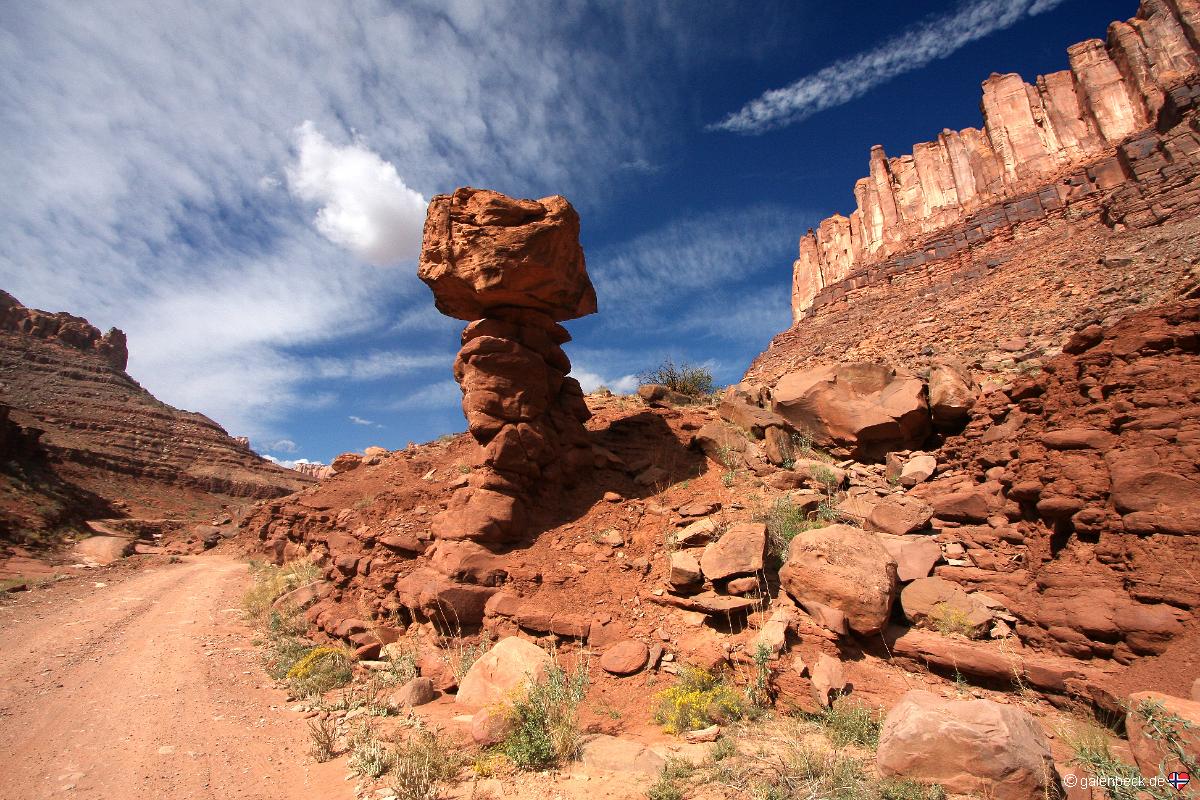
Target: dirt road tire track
{"type": "Point", "coordinates": [147, 687]}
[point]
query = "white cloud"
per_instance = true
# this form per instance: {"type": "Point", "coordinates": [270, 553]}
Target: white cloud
{"type": "Point", "coordinates": [282, 446]}
{"type": "Point", "coordinates": [360, 421]}
{"type": "Point", "coordinates": [591, 381]}
{"type": "Point", "coordinates": [366, 207]}
{"type": "Point", "coordinates": [853, 77]}
{"type": "Point", "coordinates": [290, 463]}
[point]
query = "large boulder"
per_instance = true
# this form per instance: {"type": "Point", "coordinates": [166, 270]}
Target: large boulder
{"type": "Point", "coordinates": [899, 514]}
{"type": "Point", "coordinates": [483, 251]}
{"type": "Point", "coordinates": [843, 568]}
{"type": "Point", "coordinates": [738, 552]}
{"type": "Point", "coordinates": [1149, 711]}
{"type": "Point", "coordinates": [502, 670]}
{"type": "Point", "coordinates": [862, 409]}
{"type": "Point", "coordinates": [952, 394]}
{"type": "Point", "coordinates": [971, 747]}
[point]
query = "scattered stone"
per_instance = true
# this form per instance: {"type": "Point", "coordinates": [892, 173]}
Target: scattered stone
{"type": "Point", "coordinates": [699, 532]}
{"type": "Point", "coordinates": [915, 557]}
{"type": "Point", "coordinates": [938, 603]}
{"type": "Point", "coordinates": [709, 734]}
{"type": "Point", "coordinates": [899, 515]}
{"type": "Point", "coordinates": [612, 497]}
{"type": "Point", "coordinates": [417, 692]}
{"type": "Point", "coordinates": [613, 754]}
{"type": "Point", "coordinates": [685, 571]}
{"type": "Point", "coordinates": [625, 658]}
{"type": "Point", "coordinates": [490, 726]}
{"type": "Point", "coordinates": [828, 679]}
{"type": "Point", "coordinates": [652, 476]}
{"type": "Point", "coordinates": [952, 395]}
{"type": "Point", "coordinates": [345, 462]}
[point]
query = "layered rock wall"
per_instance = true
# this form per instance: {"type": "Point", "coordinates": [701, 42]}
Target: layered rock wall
{"type": "Point", "coordinates": [99, 431]}
{"type": "Point", "coordinates": [1041, 146]}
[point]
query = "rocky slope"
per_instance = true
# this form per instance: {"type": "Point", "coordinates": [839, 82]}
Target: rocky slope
{"type": "Point", "coordinates": [83, 440]}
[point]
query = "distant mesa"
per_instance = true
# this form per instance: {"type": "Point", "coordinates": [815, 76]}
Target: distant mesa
{"type": "Point", "coordinates": [1042, 146]}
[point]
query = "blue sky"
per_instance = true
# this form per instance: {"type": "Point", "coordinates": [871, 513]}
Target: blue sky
{"type": "Point", "coordinates": [240, 186]}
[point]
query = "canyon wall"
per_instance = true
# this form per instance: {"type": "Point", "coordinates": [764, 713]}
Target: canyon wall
{"type": "Point", "coordinates": [1042, 146]}
{"type": "Point", "coordinates": [90, 430]}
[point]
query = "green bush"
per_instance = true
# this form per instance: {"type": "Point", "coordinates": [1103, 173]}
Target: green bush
{"type": "Point", "coordinates": [545, 720]}
{"type": "Point", "coordinates": [784, 521]}
{"type": "Point", "coordinates": [685, 378]}
{"type": "Point", "coordinates": [698, 699]}
{"type": "Point", "coordinates": [422, 765]}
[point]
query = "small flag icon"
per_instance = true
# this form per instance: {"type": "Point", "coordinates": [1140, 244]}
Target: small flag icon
{"type": "Point", "coordinates": [1178, 780]}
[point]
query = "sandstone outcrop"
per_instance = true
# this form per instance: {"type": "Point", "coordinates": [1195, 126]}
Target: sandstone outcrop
{"type": "Point", "coordinates": [514, 268]}
{"type": "Point", "coordinates": [1041, 146]}
{"type": "Point", "coordinates": [860, 410]}
{"type": "Point", "coordinates": [98, 443]}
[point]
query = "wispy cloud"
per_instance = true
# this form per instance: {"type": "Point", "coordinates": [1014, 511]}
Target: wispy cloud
{"type": "Point", "coordinates": [591, 381]}
{"type": "Point", "coordinates": [853, 77]}
{"type": "Point", "coordinates": [360, 421]}
{"type": "Point", "coordinates": [439, 395]}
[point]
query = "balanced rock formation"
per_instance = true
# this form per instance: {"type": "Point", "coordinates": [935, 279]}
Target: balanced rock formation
{"type": "Point", "coordinates": [99, 445]}
{"type": "Point", "coordinates": [514, 269]}
{"type": "Point", "coordinates": [1066, 122]}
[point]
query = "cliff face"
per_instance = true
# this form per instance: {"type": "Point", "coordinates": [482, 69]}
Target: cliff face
{"type": "Point", "coordinates": [76, 419]}
{"type": "Point", "coordinates": [1043, 145]}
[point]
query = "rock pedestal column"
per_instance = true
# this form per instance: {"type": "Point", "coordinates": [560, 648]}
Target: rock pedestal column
{"type": "Point", "coordinates": [515, 268]}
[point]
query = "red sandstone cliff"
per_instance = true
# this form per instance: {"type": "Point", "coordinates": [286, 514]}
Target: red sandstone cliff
{"type": "Point", "coordinates": [86, 439]}
{"type": "Point", "coordinates": [1043, 146]}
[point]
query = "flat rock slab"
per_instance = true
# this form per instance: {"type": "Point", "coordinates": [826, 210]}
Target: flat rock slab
{"type": "Point", "coordinates": [707, 602]}
{"type": "Point", "coordinates": [613, 754]}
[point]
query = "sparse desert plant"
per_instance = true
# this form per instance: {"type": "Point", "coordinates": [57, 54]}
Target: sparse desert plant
{"type": "Point", "coordinates": [369, 758]}
{"type": "Point", "coordinates": [664, 789]}
{"type": "Point", "coordinates": [846, 722]}
{"type": "Point", "coordinates": [422, 765]}
{"type": "Point", "coordinates": [1091, 751]}
{"type": "Point", "coordinates": [698, 699]}
{"type": "Point", "coordinates": [685, 378]}
{"type": "Point", "coordinates": [722, 749]}
{"type": "Point", "coordinates": [321, 669]}
{"type": "Point", "coordinates": [322, 738]}
{"type": "Point", "coordinates": [1172, 734]}
{"type": "Point", "coordinates": [948, 620]}
{"type": "Point", "coordinates": [910, 790]}
{"type": "Point", "coordinates": [271, 582]}
{"type": "Point", "coordinates": [784, 520]}
{"type": "Point", "coordinates": [460, 655]}
{"type": "Point", "coordinates": [545, 721]}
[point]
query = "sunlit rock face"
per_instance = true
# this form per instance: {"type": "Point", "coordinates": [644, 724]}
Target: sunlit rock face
{"type": "Point", "coordinates": [1033, 135]}
{"type": "Point", "coordinates": [515, 269]}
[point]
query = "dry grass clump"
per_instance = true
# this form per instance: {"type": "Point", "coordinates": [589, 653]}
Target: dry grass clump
{"type": "Point", "coordinates": [421, 766]}
{"type": "Point", "coordinates": [271, 582]}
{"type": "Point", "coordinates": [322, 739]}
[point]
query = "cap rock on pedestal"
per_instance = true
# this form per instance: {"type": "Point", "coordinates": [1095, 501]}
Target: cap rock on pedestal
{"type": "Point", "coordinates": [514, 268]}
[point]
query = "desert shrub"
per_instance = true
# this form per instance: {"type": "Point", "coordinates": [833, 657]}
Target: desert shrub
{"type": "Point", "coordinates": [784, 521]}
{"type": "Point", "coordinates": [698, 699]}
{"type": "Point", "coordinates": [271, 582]}
{"type": "Point", "coordinates": [664, 789]}
{"type": "Point", "coordinates": [846, 723]}
{"type": "Point", "coordinates": [949, 620]}
{"type": "Point", "coordinates": [1091, 751]}
{"type": "Point", "coordinates": [283, 653]}
{"type": "Point", "coordinates": [910, 790]}
{"type": "Point", "coordinates": [422, 765]}
{"type": "Point", "coordinates": [322, 739]}
{"type": "Point", "coordinates": [321, 669]}
{"type": "Point", "coordinates": [545, 720]}
{"type": "Point", "coordinates": [684, 378]}
{"type": "Point", "coordinates": [369, 759]}
{"type": "Point", "coordinates": [461, 655]}
{"type": "Point", "coordinates": [722, 749]}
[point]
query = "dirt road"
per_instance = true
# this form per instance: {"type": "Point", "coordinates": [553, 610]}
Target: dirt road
{"type": "Point", "coordinates": [144, 684]}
